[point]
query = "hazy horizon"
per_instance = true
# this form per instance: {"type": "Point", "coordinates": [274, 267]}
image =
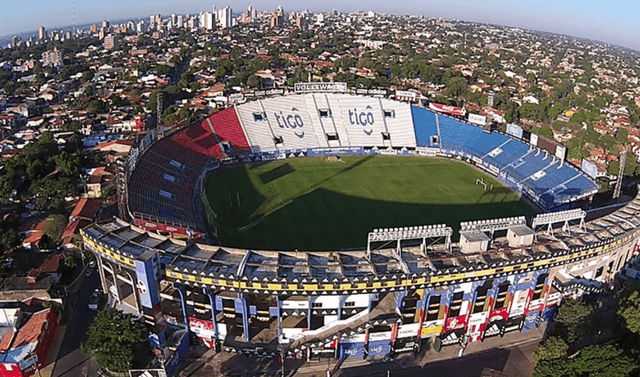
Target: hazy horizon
{"type": "Point", "coordinates": [610, 22]}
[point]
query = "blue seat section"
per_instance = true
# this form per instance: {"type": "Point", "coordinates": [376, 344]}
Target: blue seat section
{"type": "Point", "coordinates": [516, 164]}
{"type": "Point", "coordinates": [527, 165]}
{"type": "Point", "coordinates": [575, 187]}
{"type": "Point", "coordinates": [425, 126]}
{"type": "Point", "coordinates": [511, 152]}
{"type": "Point", "coordinates": [554, 178]}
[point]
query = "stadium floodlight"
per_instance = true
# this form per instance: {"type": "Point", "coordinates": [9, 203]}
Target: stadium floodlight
{"type": "Point", "coordinates": [410, 233]}
{"type": "Point", "coordinates": [551, 218]}
{"type": "Point", "coordinates": [492, 225]}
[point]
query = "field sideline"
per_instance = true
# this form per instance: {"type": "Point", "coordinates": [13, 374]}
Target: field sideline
{"type": "Point", "coordinates": [318, 204]}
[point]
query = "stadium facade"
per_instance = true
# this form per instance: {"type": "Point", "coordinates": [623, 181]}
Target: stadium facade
{"type": "Point", "coordinates": [503, 275]}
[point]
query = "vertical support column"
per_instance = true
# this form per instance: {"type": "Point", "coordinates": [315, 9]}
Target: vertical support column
{"type": "Point", "coordinates": [114, 276]}
{"type": "Point", "coordinates": [103, 281]}
{"type": "Point", "coordinates": [183, 303]}
{"type": "Point", "coordinates": [212, 302]}
{"type": "Point", "coordinates": [245, 316]}
{"type": "Point", "coordinates": [422, 305]}
{"type": "Point", "coordinates": [309, 312]}
{"type": "Point", "coordinates": [279, 317]}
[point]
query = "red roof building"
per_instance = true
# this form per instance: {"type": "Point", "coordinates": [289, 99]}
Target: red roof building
{"type": "Point", "coordinates": [24, 351]}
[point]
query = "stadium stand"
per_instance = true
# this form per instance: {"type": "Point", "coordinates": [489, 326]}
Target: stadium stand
{"type": "Point", "coordinates": [256, 127]}
{"type": "Point", "coordinates": [290, 123]}
{"type": "Point", "coordinates": [162, 186]}
{"type": "Point", "coordinates": [399, 122]}
{"type": "Point", "coordinates": [229, 132]}
{"type": "Point", "coordinates": [524, 167]}
{"type": "Point", "coordinates": [323, 117]}
{"type": "Point", "coordinates": [363, 121]}
{"type": "Point", "coordinates": [426, 130]}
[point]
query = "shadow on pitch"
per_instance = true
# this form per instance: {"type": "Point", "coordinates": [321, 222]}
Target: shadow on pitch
{"type": "Point", "coordinates": [328, 220]}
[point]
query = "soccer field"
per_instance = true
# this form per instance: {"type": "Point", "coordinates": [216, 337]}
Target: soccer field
{"type": "Point", "coordinates": [324, 204]}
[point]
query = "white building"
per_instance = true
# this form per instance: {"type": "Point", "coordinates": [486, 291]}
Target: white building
{"type": "Point", "coordinates": [224, 17]}
{"type": "Point", "coordinates": [52, 58]}
{"type": "Point", "coordinates": [206, 20]}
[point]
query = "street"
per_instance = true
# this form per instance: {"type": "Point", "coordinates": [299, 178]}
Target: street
{"type": "Point", "coordinates": [71, 362]}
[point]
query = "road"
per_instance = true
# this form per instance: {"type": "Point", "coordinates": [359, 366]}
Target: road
{"type": "Point", "coordinates": [71, 362]}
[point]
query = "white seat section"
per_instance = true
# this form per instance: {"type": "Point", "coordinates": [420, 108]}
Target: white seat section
{"type": "Point", "coordinates": [256, 127]}
{"type": "Point", "coordinates": [399, 121]}
{"type": "Point", "coordinates": [363, 120]}
{"type": "Point", "coordinates": [290, 122]}
{"type": "Point", "coordinates": [337, 119]}
{"type": "Point", "coordinates": [323, 125]}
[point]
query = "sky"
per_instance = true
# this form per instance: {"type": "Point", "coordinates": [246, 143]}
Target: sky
{"type": "Point", "coordinates": [612, 21]}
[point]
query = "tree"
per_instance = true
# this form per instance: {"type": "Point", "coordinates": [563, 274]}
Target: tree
{"type": "Point", "coordinates": [571, 317]}
{"type": "Point", "coordinates": [50, 193]}
{"type": "Point", "coordinates": [456, 86]}
{"type": "Point", "coordinates": [254, 81]}
{"type": "Point", "coordinates": [54, 227]}
{"type": "Point", "coordinates": [553, 368]}
{"type": "Point", "coordinates": [70, 261]}
{"type": "Point", "coordinates": [552, 348]}
{"type": "Point", "coordinates": [112, 338]}
{"type": "Point", "coordinates": [545, 131]}
{"type": "Point", "coordinates": [613, 168]}
{"type": "Point", "coordinates": [629, 311]}
{"type": "Point", "coordinates": [602, 360]}
{"type": "Point", "coordinates": [622, 135]}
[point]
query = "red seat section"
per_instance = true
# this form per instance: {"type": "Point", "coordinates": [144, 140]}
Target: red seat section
{"type": "Point", "coordinates": [199, 138]}
{"type": "Point", "coordinates": [227, 128]}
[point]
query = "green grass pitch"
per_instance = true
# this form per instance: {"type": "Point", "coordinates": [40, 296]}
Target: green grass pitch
{"type": "Point", "coordinates": [318, 204]}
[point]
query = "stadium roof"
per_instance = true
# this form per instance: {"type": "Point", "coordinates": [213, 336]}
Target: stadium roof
{"type": "Point", "coordinates": [129, 241]}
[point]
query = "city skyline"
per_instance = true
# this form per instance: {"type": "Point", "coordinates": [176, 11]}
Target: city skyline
{"type": "Point", "coordinates": [606, 22]}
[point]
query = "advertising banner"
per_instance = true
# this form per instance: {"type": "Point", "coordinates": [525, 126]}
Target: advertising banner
{"type": "Point", "coordinates": [480, 120]}
{"type": "Point", "coordinates": [375, 92]}
{"type": "Point", "coordinates": [589, 168]}
{"type": "Point", "coordinates": [320, 87]}
{"type": "Point", "coordinates": [530, 320]}
{"type": "Point", "coordinates": [351, 349]}
{"type": "Point", "coordinates": [269, 92]}
{"type": "Point", "coordinates": [514, 130]}
{"type": "Point", "coordinates": [381, 347]}
{"type": "Point", "coordinates": [147, 285]}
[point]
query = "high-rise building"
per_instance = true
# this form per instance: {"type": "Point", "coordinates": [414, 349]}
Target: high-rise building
{"type": "Point", "coordinates": [105, 24]}
{"type": "Point", "coordinates": [224, 17]}
{"type": "Point", "coordinates": [42, 33]}
{"type": "Point", "coordinates": [193, 22]}
{"type": "Point", "coordinates": [111, 41]}
{"type": "Point", "coordinates": [207, 20]}
{"type": "Point", "coordinates": [15, 41]}
{"type": "Point", "coordinates": [179, 21]}
{"type": "Point", "coordinates": [277, 18]}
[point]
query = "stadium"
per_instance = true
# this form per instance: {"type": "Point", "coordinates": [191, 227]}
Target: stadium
{"type": "Point", "coordinates": [188, 259]}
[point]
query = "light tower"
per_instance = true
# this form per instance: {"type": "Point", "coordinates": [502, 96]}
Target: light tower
{"type": "Point", "coordinates": [623, 162]}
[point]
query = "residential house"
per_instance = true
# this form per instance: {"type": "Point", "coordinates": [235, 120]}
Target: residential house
{"type": "Point", "coordinates": [24, 352]}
